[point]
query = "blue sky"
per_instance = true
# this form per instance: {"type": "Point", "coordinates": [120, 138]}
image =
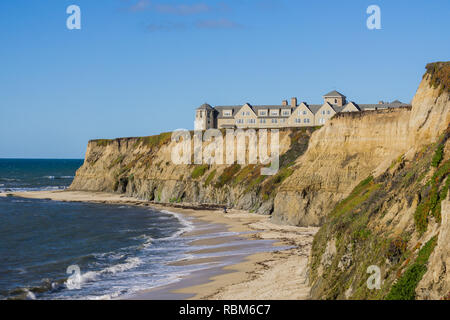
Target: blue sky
{"type": "Point", "coordinates": [141, 67]}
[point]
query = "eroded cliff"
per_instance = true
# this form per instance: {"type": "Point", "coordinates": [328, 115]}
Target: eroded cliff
{"type": "Point", "coordinates": [396, 218]}
{"type": "Point", "coordinates": [353, 145]}
{"type": "Point", "coordinates": [142, 167]}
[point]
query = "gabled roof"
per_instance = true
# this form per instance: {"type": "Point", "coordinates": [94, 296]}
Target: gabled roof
{"type": "Point", "coordinates": [337, 109]}
{"type": "Point", "coordinates": [334, 93]}
{"type": "Point", "coordinates": [352, 103]}
{"type": "Point", "coordinates": [301, 103]}
{"type": "Point", "coordinates": [314, 107]}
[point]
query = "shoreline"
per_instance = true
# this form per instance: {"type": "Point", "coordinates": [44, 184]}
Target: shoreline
{"type": "Point", "coordinates": [252, 275]}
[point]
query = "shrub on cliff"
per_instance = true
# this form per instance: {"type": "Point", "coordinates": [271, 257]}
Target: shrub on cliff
{"type": "Point", "coordinates": [199, 171]}
{"type": "Point", "coordinates": [405, 287]}
{"type": "Point", "coordinates": [439, 73]}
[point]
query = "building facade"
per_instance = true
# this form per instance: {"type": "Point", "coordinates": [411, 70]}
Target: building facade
{"type": "Point", "coordinates": [291, 114]}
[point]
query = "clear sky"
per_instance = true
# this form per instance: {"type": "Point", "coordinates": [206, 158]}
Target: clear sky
{"type": "Point", "coordinates": [141, 67]}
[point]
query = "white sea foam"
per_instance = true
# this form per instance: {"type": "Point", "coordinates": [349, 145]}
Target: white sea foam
{"type": "Point", "coordinates": [129, 264]}
{"type": "Point", "coordinates": [34, 189]}
{"type": "Point", "coordinates": [30, 295]}
{"type": "Point", "coordinates": [75, 282]}
{"type": "Point", "coordinates": [58, 177]}
{"type": "Point", "coordinates": [187, 225]}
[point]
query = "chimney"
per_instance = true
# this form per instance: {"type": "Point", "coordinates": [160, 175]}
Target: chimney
{"type": "Point", "coordinates": [293, 102]}
{"type": "Point", "coordinates": [284, 103]}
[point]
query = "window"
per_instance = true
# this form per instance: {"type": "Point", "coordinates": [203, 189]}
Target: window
{"type": "Point", "coordinates": [227, 113]}
{"type": "Point", "coordinates": [263, 113]}
{"type": "Point", "coordinates": [304, 112]}
{"type": "Point", "coordinates": [335, 100]}
{"type": "Point", "coordinates": [243, 113]}
{"type": "Point", "coordinates": [282, 120]}
{"type": "Point", "coordinates": [328, 112]}
{"type": "Point", "coordinates": [298, 120]}
{"type": "Point", "coordinates": [323, 112]}
{"type": "Point", "coordinates": [274, 112]}
{"type": "Point", "coordinates": [274, 121]}
{"type": "Point", "coordinates": [286, 112]}
{"type": "Point", "coordinates": [247, 113]}
{"type": "Point", "coordinates": [240, 121]}
{"type": "Point", "coordinates": [262, 120]}
{"type": "Point", "coordinates": [251, 121]}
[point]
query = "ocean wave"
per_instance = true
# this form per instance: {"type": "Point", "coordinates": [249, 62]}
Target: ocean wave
{"type": "Point", "coordinates": [187, 225]}
{"type": "Point", "coordinates": [30, 295]}
{"type": "Point", "coordinates": [75, 282]}
{"type": "Point", "coordinates": [9, 180]}
{"type": "Point", "coordinates": [24, 189]}
{"type": "Point", "coordinates": [58, 177]}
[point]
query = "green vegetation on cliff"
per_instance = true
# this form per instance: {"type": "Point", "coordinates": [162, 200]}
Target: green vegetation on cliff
{"type": "Point", "coordinates": [439, 73]}
{"type": "Point", "coordinates": [155, 141]}
{"type": "Point", "coordinates": [199, 171]}
{"type": "Point", "coordinates": [405, 287]}
{"type": "Point", "coordinates": [364, 229]}
{"type": "Point", "coordinates": [138, 167]}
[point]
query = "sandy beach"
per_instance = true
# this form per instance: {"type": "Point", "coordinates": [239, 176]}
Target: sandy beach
{"type": "Point", "coordinates": [255, 276]}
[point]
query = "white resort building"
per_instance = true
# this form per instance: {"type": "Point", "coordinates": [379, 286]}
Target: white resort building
{"type": "Point", "coordinates": [281, 116]}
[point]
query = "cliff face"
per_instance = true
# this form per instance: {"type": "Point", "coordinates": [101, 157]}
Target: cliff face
{"type": "Point", "coordinates": [142, 167]}
{"type": "Point", "coordinates": [340, 155]}
{"type": "Point", "coordinates": [351, 146]}
{"type": "Point", "coordinates": [396, 218]}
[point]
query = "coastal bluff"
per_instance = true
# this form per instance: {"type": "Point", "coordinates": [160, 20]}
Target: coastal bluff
{"type": "Point", "coordinates": [142, 167]}
{"type": "Point", "coordinates": [351, 146]}
{"type": "Point", "coordinates": [375, 182]}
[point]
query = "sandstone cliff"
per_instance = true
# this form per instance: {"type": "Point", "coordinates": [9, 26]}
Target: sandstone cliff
{"type": "Point", "coordinates": [352, 145]}
{"type": "Point", "coordinates": [142, 167]}
{"type": "Point", "coordinates": [396, 217]}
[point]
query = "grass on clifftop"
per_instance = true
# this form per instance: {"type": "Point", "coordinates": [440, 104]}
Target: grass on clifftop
{"type": "Point", "coordinates": [154, 141]}
{"type": "Point", "coordinates": [439, 75]}
{"type": "Point", "coordinates": [102, 142]}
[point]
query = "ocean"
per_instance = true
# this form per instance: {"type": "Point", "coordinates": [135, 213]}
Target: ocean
{"type": "Point", "coordinates": [73, 250]}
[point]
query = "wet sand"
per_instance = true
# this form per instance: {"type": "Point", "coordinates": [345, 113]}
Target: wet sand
{"type": "Point", "coordinates": [248, 273]}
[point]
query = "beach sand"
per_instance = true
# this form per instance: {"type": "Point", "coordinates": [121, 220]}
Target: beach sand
{"type": "Point", "coordinates": [279, 274]}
